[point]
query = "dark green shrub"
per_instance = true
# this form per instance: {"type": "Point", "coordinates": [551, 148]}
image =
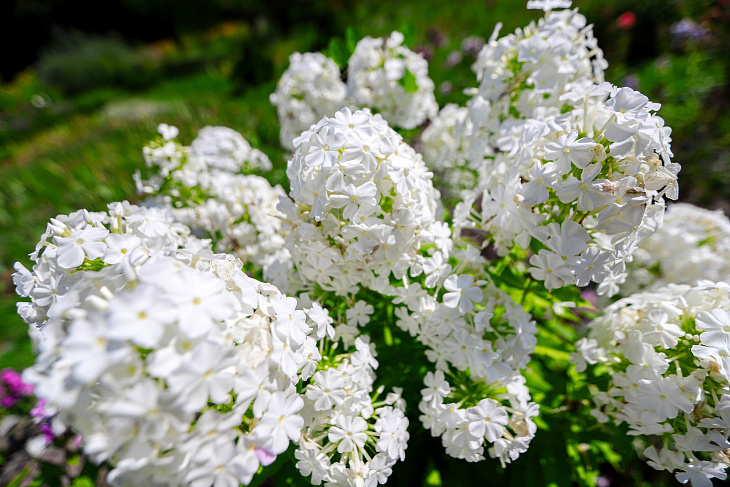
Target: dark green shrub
{"type": "Point", "coordinates": [79, 63]}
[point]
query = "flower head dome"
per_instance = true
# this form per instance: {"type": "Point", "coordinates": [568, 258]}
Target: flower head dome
{"type": "Point", "coordinates": [666, 375]}
{"type": "Point", "coordinates": [386, 75]}
{"type": "Point", "coordinates": [309, 89]}
{"type": "Point", "coordinates": [224, 148]}
{"type": "Point", "coordinates": [361, 200]}
{"type": "Point", "coordinates": [173, 365]}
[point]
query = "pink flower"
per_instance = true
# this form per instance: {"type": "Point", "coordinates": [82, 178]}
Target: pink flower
{"type": "Point", "coordinates": [39, 410]}
{"type": "Point", "coordinates": [626, 20]}
{"type": "Point", "coordinates": [265, 456]}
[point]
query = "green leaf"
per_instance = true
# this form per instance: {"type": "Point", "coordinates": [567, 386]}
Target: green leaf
{"type": "Point", "coordinates": [408, 82]}
{"type": "Point", "coordinates": [21, 478]}
{"type": "Point", "coordinates": [536, 245]}
{"type": "Point", "coordinates": [552, 353]}
{"type": "Point", "coordinates": [82, 482]}
{"type": "Point", "coordinates": [512, 277]}
{"type": "Point", "coordinates": [92, 265]}
{"type": "Point", "coordinates": [613, 457]}
{"type": "Point", "coordinates": [566, 332]}
{"type": "Point", "coordinates": [52, 474]}
{"type": "Point", "coordinates": [337, 51]}
{"type": "Point", "coordinates": [409, 31]}
{"type": "Point", "coordinates": [351, 39]}
{"type": "Point", "coordinates": [434, 478]}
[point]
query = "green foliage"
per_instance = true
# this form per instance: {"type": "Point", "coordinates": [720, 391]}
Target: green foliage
{"type": "Point", "coordinates": [92, 265]}
{"type": "Point", "coordinates": [408, 82]}
{"type": "Point", "coordinates": [338, 52]}
{"type": "Point", "coordinates": [410, 34]}
{"type": "Point", "coordinates": [351, 39]}
{"type": "Point", "coordinates": [82, 62]}
{"type": "Point", "coordinates": [82, 482]}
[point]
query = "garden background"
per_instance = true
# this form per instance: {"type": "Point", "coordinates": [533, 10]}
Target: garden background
{"type": "Point", "coordinates": [80, 95]}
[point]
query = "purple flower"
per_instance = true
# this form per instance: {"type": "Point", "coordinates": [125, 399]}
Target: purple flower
{"type": "Point", "coordinates": [265, 456]}
{"type": "Point", "coordinates": [76, 443]}
{"type": "Point", "coordinates": [688, 29]}
{"type": "Point", "coordinates": [7, 401]}
{"type": "Point", "coordinates": [47, 431]}
{"type": "Point", "coordinates": [15, 383]}
{"type": "Point", "coordinates": [472, 45]}
{"type": "Point", "coordinates": [39, 410]}
{"type": "Point", "coordinates": [453, 59]}
{"type": "Point", "coordinates": [632, 81]}
{"type": "Point", "coordinates": [591, 297]}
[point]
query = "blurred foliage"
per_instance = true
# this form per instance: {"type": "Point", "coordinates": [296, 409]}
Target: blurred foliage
{"type": "Point", "coordinates": [686, 67]}
{"type": "Point", "coordinates": [80, 63]}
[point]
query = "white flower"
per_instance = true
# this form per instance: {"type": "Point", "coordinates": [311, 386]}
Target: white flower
{"type": "Point", "coordinates": [547, 5]}
{"type": "Point", "coordinates": [463, 292]}
{"type": "Point", "coordinates": [392, 427]}
{"type": "Point", "coordinates": [120, 246]}
{"type": "Point", "coordinates": [551, 268]}
{"type": "Point", "coordinates": [199, 300]}
{"type": "Point", "coordinates": [142, 318]}
{"type": "Point", "coordinates": [700, 473]}
{"type": "Point", "coordinates": [313, 463]}
{"type": "Point", "coordinates": [139, 356]}
{"type": "Point", "coordinates": [359, 315]}
{"type": "Point", "coordinates": [638, 338]}
{"type": "Point", "coordinates": [168, 132]}
{"type": "Point", "coordinates": [327, 389]}
{"type": "Point", "coordinates": [487, 419]}
{"type": "Point", "coordinates": [715, 326]}
{"type": "Point", "coordinates": [568, 149]}
{"type": "Point", "coordinates": [349, 432]}
{"type": "Point", "coordinates": [206, 376]}
{"type": "Point", "coordinates": [226, 149]}
{"type": "Point", "coordinates": [81, 244]}
{"type": "Point", "coordinates": [280, 423]}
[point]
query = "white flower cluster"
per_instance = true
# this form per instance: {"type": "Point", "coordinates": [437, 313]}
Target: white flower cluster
{"type": "Point", "coordinates": [214, 149]}
{"type": "Point", "coordinates": [693, 244]}
{"type": "Point", "coordinates": [668, 354]}
{"type": "Point", "coordinates": [344, 425]}
{"type": "Point", "coordinates": [548, 58]}
{"type": "Point", "coordinates": [482, 339]}
{"type": "Point", "coordinates": [522, 75]}
{"type": "Point", "coordinates": [577, 169]}
{"type": "Point", "coordinates": [385, 75]}
{"type": "Point", "coordinates": [362, 202]}
{"type": "Point", "coordinates": [91, 241]}
{"type": "Point", "coordinates": [205, 185]}
{"type": "Point", "coordinates": [240, 215]}
{"type": "Point", "coordinates": [225, 149]}
{"type": "Point", "coordinates": [308, 90]}
{"type": "Point", "coordinates": [446, 146]}
{"type": "Point", "coordinates": [463, 430]}
{"type": "Point", "coordinates": [172, 364]}
{"type": "Point", "coordinates": [382, 74]}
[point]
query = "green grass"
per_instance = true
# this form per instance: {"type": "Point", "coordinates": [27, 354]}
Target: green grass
{"type": "Point", "coordinates": [87, 161]}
